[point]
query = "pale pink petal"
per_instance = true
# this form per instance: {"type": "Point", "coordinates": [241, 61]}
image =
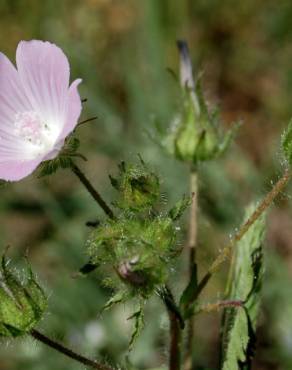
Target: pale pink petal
{"type": "Point", "coordinates": [55, 151]}
{"type": "Point", "coordinates": [38, 109]}
{"type": "Point", "coordinates": [12, 101]}
{"type": "Point", "coordinates": [44, 72]}
{"type": "Point", "coordinates": [15, 171]}
{"type": "Point", "coordinates": [74, 109]}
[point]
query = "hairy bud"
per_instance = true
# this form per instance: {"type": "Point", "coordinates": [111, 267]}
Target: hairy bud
{"type": "Point", "coordinates": [139, 250]}
{"type": "Point", "coordinates": [22, 303]}
{"type": "Point", "coordinates": [138, 187]}
{"type": "Point", "coordinates": [195, 135]}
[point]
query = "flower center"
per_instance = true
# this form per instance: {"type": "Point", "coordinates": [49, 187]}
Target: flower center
{"type": "Point", "coordinates": [34, 131]}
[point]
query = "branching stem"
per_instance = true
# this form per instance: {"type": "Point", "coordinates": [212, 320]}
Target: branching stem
{"type": "Point", "coordinates": [68, 352]}
{"type": "Point", "coordinates": [261, 208]}
{"type": "Point", "coordinates": [96, 196]}
{"type": "Point", "coordinates": [211, 307]}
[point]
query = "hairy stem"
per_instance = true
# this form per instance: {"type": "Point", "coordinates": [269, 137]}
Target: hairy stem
{"type": "Point", "coordinates": [210, 307]}
{"type": "Point", "coordinates": [68, 352]}
{"type": "Point", "coordinates": [96, 196]}
{"type": "Point", "coordinates": [262, 207]}
{"type": "Point", "coordinates": [176, 324]}
{"type": "Point", "coordinates": [192, 241]}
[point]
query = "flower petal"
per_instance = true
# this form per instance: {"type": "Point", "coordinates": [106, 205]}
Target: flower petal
{"type": "Point", "coordinates": [14, 171]}
{"type": "Point", "coordinates": [74, 109]}
{"type": "Point", "coordinates": [44, 72]}
{"type": "Point", "coordinates": [12, 96]}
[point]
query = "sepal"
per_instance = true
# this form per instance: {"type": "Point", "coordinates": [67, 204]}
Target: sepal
{"type": "Point", "coordinates": [22, 303]}
{"type": "Point", "coordinates": [138, 187]}
{"type": "Point", "coordinates": [195, 135]}
{"type": "Point", "coordinates": [64, 158]}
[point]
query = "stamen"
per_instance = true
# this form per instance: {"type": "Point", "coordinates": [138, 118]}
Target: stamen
{"type": "Point", "coordinates": [33, 130]}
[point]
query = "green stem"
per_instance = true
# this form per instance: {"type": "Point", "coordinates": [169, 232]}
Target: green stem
{"type": "Point", "coordinates": [68, 352]}
{"type": "Point", "coordinates": [96, 196]}
{"type": "Point", "coordinates": [192, 241]}
{"type": "Point", "coordinates": [227, 250]}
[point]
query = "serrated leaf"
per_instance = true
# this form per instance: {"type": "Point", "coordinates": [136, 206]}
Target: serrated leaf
{"type": "Point", "coordinates": [138, 316]}
{"type": "Point", "coordinates": [176, 212]}
{"type": "Point", "coordinates": [239, 324]}
{"type": "Point", "coordinates": [115, 299]}
{"type": "Point", "coordinates": [286, 142]}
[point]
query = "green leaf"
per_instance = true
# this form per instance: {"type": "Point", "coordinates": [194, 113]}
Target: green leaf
{"type": "Point", "coordinates": [286, 142]}
{"type": "Point", "coordinates": [178, 209]}
{"type": "Point", "coordinates": [228, 137]}
{"type": "Point", "coordinates": [167, 297]}
{"type": "Point", "coordinates": [189, 293]}
{"type": "Point", "coordinates": [239, 324]}
{"type": "Point", "coordinates": [138, 316]}
{"type": "Point", "coordinates": [115, 299]}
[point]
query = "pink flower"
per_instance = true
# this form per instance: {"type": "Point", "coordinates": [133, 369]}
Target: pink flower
{"type": "Point", "coordinates": [38, 108]}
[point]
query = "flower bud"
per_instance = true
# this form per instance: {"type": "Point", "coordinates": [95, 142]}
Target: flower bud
{"type": "Point", "coordinates": [139, 250]}
{"type": "Point", "coordinates": [195, 135]}
{"type": "Point", "coordinates": [138, 187]}
{"type": "Point", "coordinates": [22, 303]}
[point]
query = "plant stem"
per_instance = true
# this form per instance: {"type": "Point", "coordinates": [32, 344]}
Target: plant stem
{"type": "Point", "coordinates": [67, 352]}
{"type": "Point", "coordinates": [193, 220]}
{"type": "Point", "coordinates": [176, 325]}
{"type": "Point", "coordinates": [262, 207]}
{"type": "Point", "coordinates": [210, 307]}
{"type": "Point", "coordinates": [96, 196]}
{"type": "Point", "coordinates": [175, 342]}
{"type": "Point", "coordinates": [192, 241]}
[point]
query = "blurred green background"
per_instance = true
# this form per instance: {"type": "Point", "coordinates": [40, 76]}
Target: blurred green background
{"type": "Point", "coordinates": [121, 50]}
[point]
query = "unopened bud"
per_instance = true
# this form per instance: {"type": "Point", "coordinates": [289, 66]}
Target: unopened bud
{"type": "Point", "coordinates": [22, 303]}
{"type": "Point", "coordinates": [138, 187]}
{"type": "Point", "coordinates": [195, 136]}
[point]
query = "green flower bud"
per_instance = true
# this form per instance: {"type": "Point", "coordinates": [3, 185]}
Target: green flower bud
{"type": "Point", "coordinates": [139, 250]}
{"type": "Point", "coordinates": [138, 187]}
{"type": "Point", "coordinates": [22, 303]}
{"type": "Point", "coordinates": [195, 135]}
